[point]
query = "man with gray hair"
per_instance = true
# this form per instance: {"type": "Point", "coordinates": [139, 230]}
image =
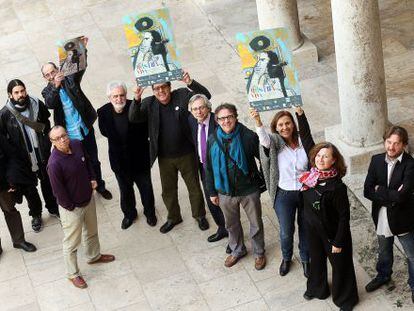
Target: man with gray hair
{"type": "Point", "coordinates": [128, 154]}
{"type": "Point", "coordinates": [202, 125]}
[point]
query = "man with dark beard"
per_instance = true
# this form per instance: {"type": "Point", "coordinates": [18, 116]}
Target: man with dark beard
{"type": "Point", "coordinates": [24, 121]}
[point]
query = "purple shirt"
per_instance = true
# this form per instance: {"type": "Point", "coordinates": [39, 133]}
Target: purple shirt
{"type": "Point", "coordinates": [70, 176]}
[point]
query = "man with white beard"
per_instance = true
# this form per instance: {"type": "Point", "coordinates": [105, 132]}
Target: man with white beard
{"type": "Point", "coordinates": [128, 154]}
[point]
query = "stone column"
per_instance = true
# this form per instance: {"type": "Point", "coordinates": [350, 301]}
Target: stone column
{"type": "Point", "coordinates": [284, 13]}
{"type": "Point", "coordinates": [280, 13]}
{"type": "Point", "coordinates": [360, 70]}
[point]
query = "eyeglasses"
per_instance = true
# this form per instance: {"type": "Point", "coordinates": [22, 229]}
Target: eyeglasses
{"type": "Point", "coordinates": [50, 74]}
{"type": "Point", "coordinates": [229, 118]}
{"type": "Point", "coordinates": [198, 108]}
{"type": "Point", "coordinates": [161, 88]}
{"type": "Point", "coordinates": [59, 138]}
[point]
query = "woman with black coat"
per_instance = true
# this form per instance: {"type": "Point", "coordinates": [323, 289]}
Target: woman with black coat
{"type": "Point", "coordinates": [327, 216]}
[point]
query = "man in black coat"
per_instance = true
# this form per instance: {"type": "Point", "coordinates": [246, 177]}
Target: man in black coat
{"type": "Point", "coordinates": [24, 121]}
{"type": "Point", "coordinates": [390, 186]}
{"type": "Point", "coordinates": [128, 154]}
{"type": "Point", "coordinates": [12, 175]}
{"type": "Point", "coordinates": [170, 140]}
{"type": "Point", "coordinates": [73, 110]}
{"type": "Point", "coordinates": [202, 125]}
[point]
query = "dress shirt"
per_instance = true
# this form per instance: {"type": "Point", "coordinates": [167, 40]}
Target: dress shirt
{"type": "Point", "coordinates": [291, 162]}
{"type": "Point", "coordinates": [383, 227]}
{"type": "Point", "coordinates": [206, 122]}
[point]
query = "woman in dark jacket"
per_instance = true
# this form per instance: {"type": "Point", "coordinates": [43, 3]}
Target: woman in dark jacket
{"type": "Point", "coordinates": [329, 235]}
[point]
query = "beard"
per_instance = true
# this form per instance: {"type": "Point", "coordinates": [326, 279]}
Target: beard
{"type": "Point", "coordinates": [119, 107]}
{"type": "Point", "coordinates": [21, 104]}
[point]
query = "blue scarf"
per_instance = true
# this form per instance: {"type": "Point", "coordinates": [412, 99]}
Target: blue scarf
{"type": "Point", "coordinates": [218, 159]}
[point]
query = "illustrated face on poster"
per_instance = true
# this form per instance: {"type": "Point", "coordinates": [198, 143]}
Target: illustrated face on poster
{"type": "Point", "coordinates": [72, 56]}
{"type": "Point", "coordinates": [272, 80]}
{"type": "Point", "coordinates": [152, 48]}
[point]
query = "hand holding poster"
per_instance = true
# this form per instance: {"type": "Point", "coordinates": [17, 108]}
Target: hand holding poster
{"type": "Point", "coordinates": [152, 47]}
{"type": "Point", "coordinates": [272, 80]}
{"type": "Point", "coordinates": [72, 55]}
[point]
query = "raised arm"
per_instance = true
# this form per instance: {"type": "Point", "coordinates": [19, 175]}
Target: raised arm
{"type": "Point", "coordinates": [194, 86]}
{"type": "Point", "coordinates": [264, 138]}
{"type": "Point", "coordinates": [138, 111]}
{"type": "Point", "coordinates": [304, 130]}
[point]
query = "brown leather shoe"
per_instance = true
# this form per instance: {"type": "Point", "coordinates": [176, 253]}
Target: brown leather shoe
{"type": "Point", "coordinates": [105, 258]}
{"type": "Point", "coordinates": [260, 262]}
{"type": "Point", "coordinates": [232, 260]}
{"type": "Point", "coordinates": [79, 282]}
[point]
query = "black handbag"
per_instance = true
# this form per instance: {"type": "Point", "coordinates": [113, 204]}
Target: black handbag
{"type": "Point", "coordinates": [259, 173]}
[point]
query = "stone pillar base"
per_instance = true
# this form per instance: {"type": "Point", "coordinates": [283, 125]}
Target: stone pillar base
{"type": "Point", "coordinates": [356, 158]}
{"type": "Point", "coordinates": [307, 53]}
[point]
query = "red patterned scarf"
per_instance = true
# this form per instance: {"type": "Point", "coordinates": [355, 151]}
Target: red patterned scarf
{"type": "Point", "coordinates": [310, 179]}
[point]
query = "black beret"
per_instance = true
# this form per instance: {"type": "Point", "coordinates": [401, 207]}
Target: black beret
{"type": "Point", "coordinates": [69, 46]}
{"type": "Point", "coordinates": [260, 43]}
{"type": "Point", "coordinates": [144, 23]}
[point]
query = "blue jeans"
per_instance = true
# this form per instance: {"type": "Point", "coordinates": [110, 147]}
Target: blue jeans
{"type": "Point", "coordinates": [286, 204]}
{"type": "Point", "coordinates": [386, 256]}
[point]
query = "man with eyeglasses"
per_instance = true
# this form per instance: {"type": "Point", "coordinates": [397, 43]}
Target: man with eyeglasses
{"type": "Point", "coordinates": [232, 179]}
{"type": "Point", "coordinates": [73, 181]}
{"type": "Point", "coordinates": [170, 140]}
{"type": "Point", "coordinates": [203, 124]}
{"type": "Point", "coordinates": [24, 121]}
{"type": "Point", "coordinates": [73, 110]}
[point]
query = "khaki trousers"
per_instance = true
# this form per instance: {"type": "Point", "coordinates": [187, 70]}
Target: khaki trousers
{"type": "Point", "coordinates": [169, 169]}
{"type": "Point", "coordinates": [79, 225]}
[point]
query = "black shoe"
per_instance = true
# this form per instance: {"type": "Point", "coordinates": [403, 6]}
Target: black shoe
{"type": "Point", "coordinates": [126, 223]}
{"type": "Point", "coordinates": [36, 223]}
{"type": "Point", "coordinates": [306, 269]}
{"type": "Point", "coordinates": [284, 267]}
{"type": "Point", "coordinates": [152, 220]}
{"type": "Point", "coordinates": [203, 224]}
{"type": "Point", "coordinates": [169, 225]}
{"type": "Point", "coordinates": [26, 246]}
{"type": "Point", "coordinates": [106, 194]}
{"type": "Point", "coordinates": [308, 296]}
{"type": "Point", "coordinates": [412, 293]}
{"type": "Point", "coordinates": [376, 283]}
{"type": "Point", "coordinates": [55, 214]}
{"type": "Point", "coordinates": [217, 237]}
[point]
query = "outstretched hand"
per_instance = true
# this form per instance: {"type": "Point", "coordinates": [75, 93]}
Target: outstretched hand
{"type": "Point", "coordinates": [84, 40]}
{"type": "Point", "coordinates": [214, 200]}
{"type": "Point", "coordinates": [299, 110]}
{"type": "Point", "coordinates": [138, 93]}
{"type": "Point", "coordinates": [254, 114]}
{"type": "Point", "coordinates": [186, 78]}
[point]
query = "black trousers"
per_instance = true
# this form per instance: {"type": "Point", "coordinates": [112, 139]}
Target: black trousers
{"type": "Point", "coordinates": [33, 199]}
{"type": "Point", "coordinates": [89, 143]}
{"type": "Point", "coordinates": [344, 287]}
{"type": "Point", "coordinates": [215, 210]}
{"type": "Point", "coordinates": [126, 189]}
{"type": "Point", "coordinates": [12, 216]}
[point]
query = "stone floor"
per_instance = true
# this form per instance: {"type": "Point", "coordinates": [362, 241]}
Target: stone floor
{"type": "Point", "coordinates": [179, 270]}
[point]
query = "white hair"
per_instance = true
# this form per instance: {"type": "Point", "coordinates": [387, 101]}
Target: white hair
{"type": "Point", "coordinates": [113, 85]}
{"type": "Point", "coordinates": [199, 96]}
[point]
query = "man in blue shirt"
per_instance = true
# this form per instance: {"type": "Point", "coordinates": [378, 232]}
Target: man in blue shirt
{"type": "Point", "coordinates": [73, 110]}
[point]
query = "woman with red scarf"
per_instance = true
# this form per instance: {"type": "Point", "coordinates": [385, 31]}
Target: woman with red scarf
{"type": "Point", "coordinates": [329, 235]}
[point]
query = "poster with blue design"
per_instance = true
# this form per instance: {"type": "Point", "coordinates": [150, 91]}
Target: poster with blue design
{"type": "Point", "coordinates": [271, 79]}
{"type": "Point", "coordinates": [154, 55]}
